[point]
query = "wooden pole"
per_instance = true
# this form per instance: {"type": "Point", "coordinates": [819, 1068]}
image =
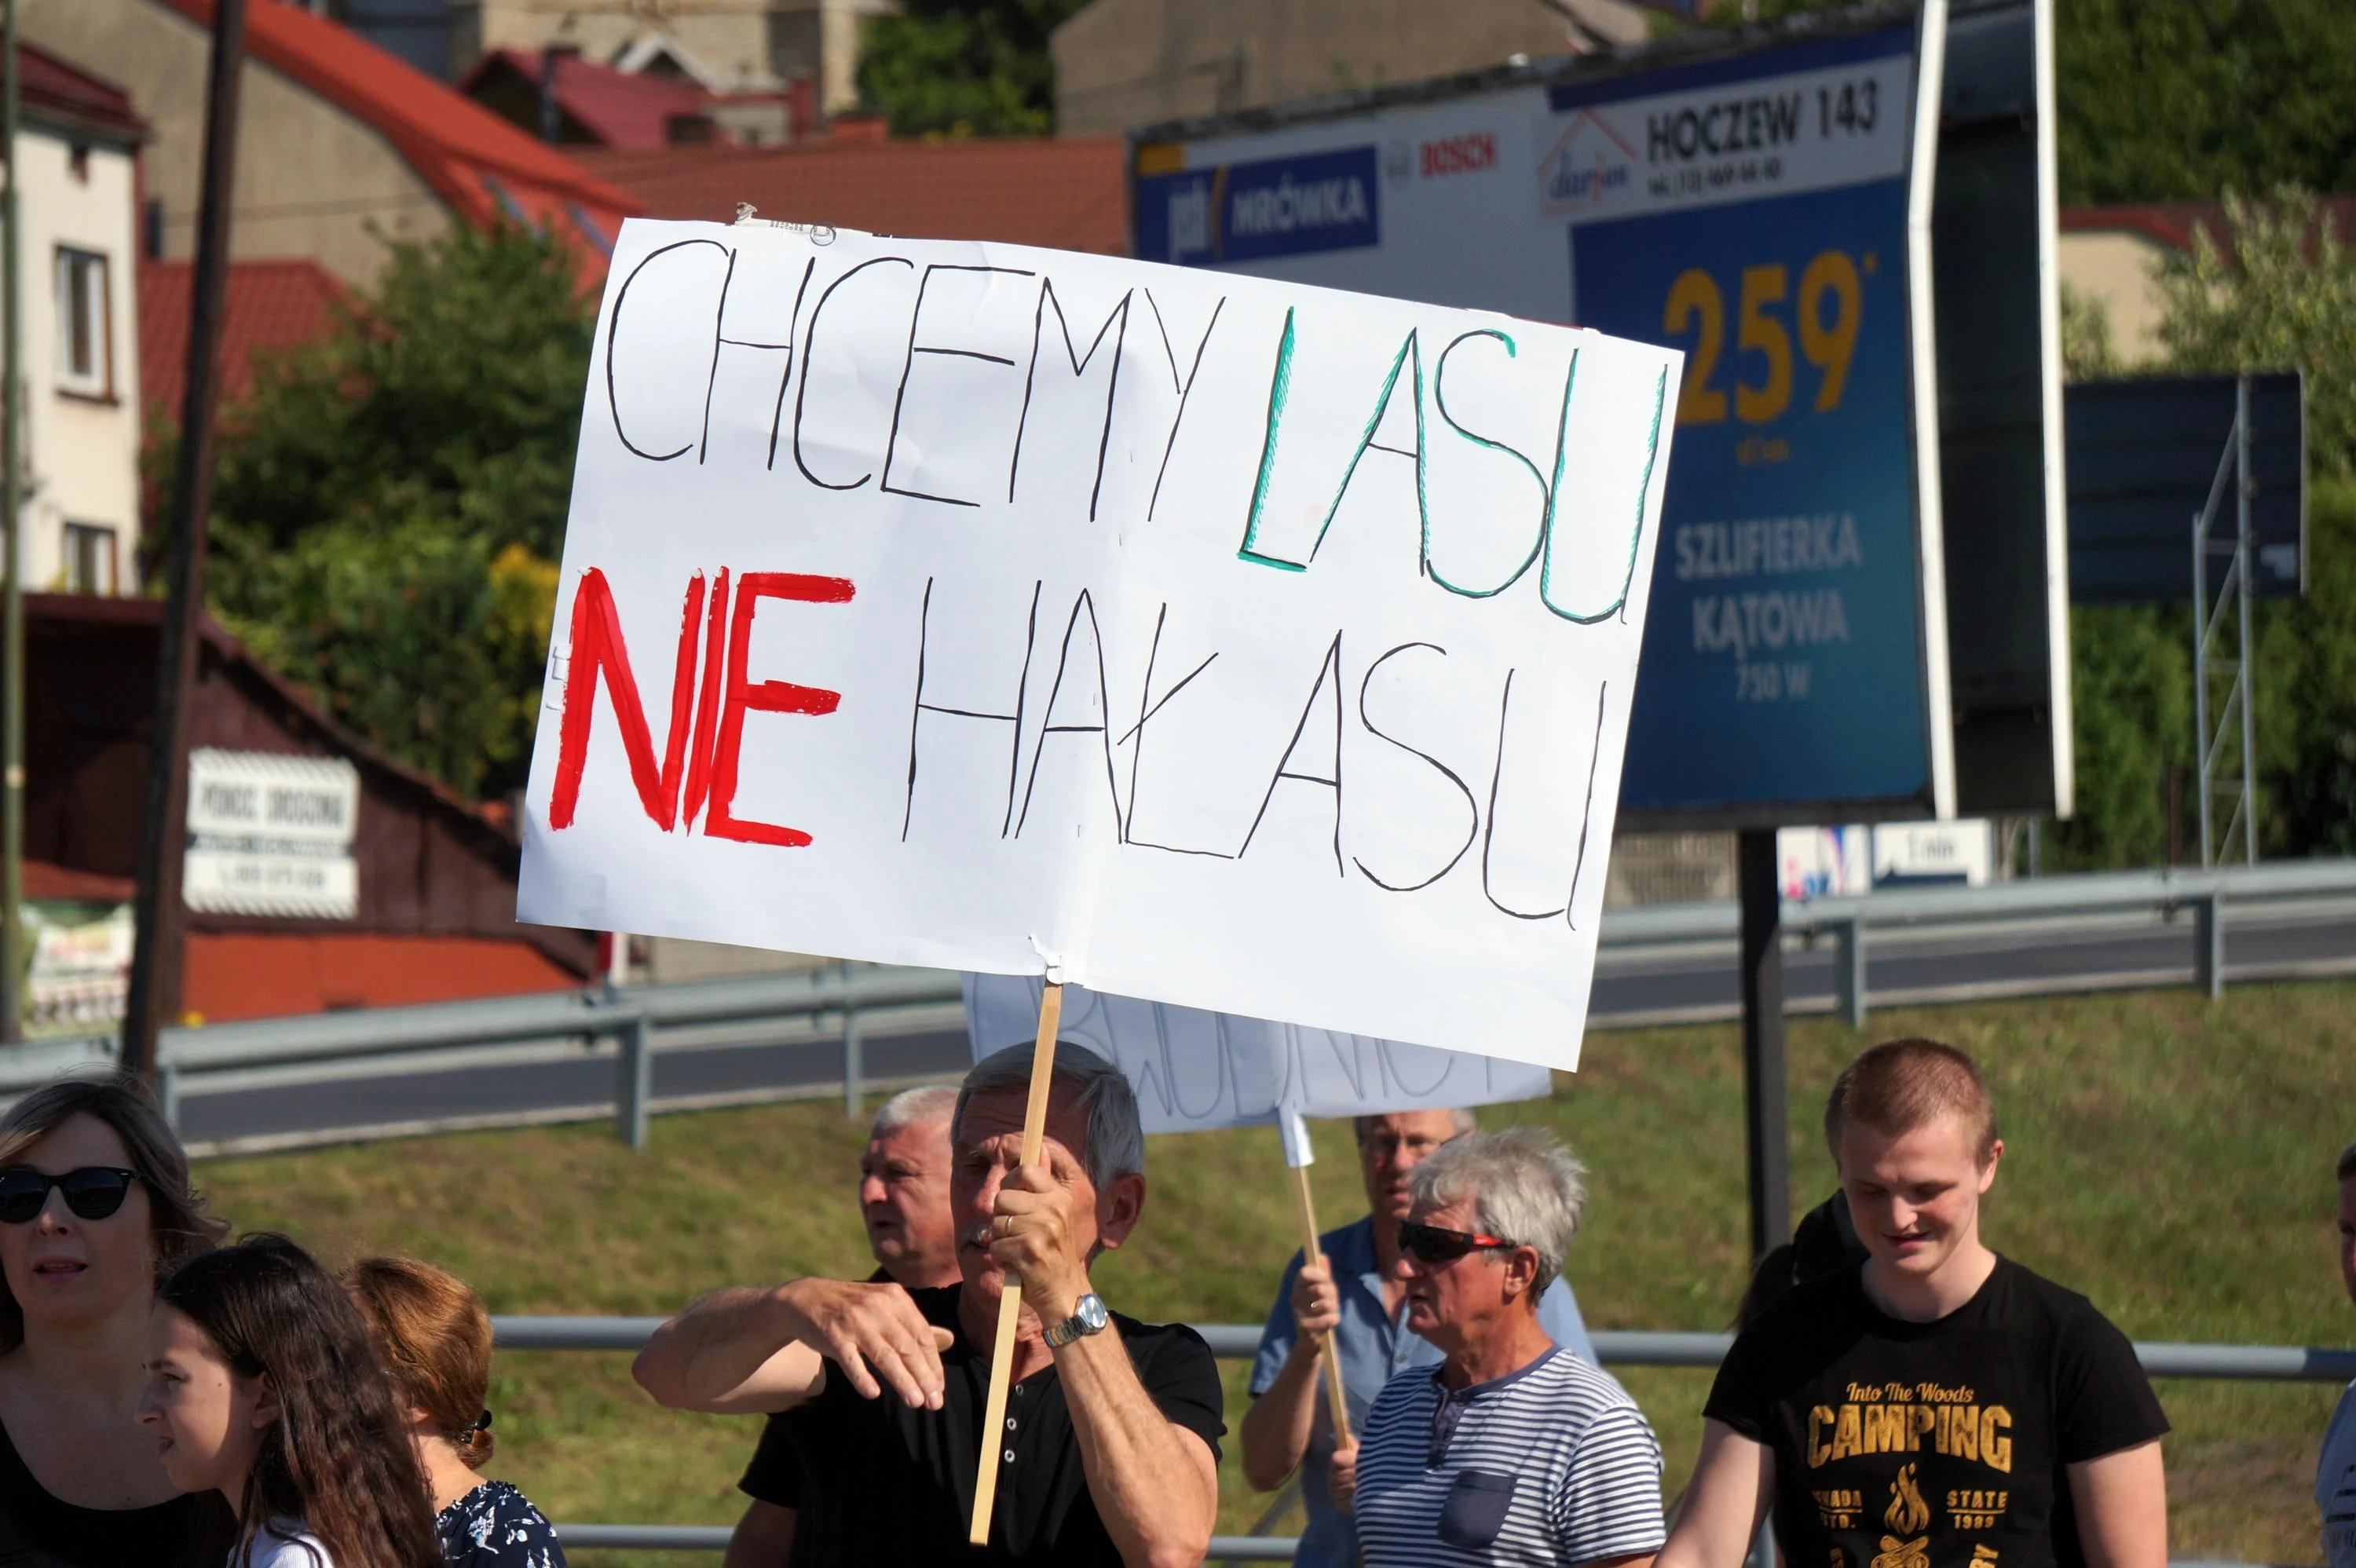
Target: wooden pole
{"type": "Point", "coordinates": [1334, 1397]}
{"type": "Point", "coordinates": [155, 960]}
{"type": "Point", "coordinates": [1010, 1301]}
{"type": "Point", "coordinates": [13, 961]}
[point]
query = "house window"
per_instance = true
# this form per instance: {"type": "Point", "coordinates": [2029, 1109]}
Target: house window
{"type": "Point", "coordinates": [90, 558]}
{"type": "Point", "coordinates": [85, 350]}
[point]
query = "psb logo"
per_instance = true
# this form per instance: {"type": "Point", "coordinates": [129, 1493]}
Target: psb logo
{"type": "Point", "coordinates": [1274, 207]}
{"type": "Point", "coordinates": [1589, 161]}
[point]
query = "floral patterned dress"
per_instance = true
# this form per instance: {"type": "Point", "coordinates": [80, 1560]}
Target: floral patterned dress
{"type": "Point", "coordinates": [495, 1526]}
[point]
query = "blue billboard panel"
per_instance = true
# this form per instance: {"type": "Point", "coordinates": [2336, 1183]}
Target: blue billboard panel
{"type": "Point", "coordinates": [1251, 211]}
{"type": "Point", "coordinates": [1782, 656]}
{"type": "Point", "coordinates": [1752, 211]}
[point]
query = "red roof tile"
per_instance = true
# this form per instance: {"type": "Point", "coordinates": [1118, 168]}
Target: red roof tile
{"type": "Point", "coordinates": [272, 306]}
{"type": "Point", "coordinates": [63, 884]}
{"type": "Point", "coordinates": [613, 107]}
{"type": "Point", "coordinates": [1065, 192]}
{"type": "Point", "coordinates": [478, 163]}
{"type": "Point", "coordinates": [54, 90]}
{"type": "Point", "coordinates": [2171, 223]}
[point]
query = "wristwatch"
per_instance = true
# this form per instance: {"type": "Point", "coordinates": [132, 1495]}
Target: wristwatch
{"type": "Point", "coordinates": [1090, 1318]}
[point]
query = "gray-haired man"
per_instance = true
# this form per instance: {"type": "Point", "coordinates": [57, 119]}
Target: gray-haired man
{"type": "Point", "coordinates": [1110, 1450]}
{"type": "Point", "coordinates": [1348, 1301]}
{"type": "Point", "coordinates": [904, 1198]}
{"type": "Point", "coordinates": [1511, 1450]}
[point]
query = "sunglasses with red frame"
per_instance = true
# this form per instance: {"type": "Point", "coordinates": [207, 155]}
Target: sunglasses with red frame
{"type": "Point", "coordinates": [1437, 1245]}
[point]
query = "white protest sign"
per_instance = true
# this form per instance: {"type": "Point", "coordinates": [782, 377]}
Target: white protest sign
{"type": "Point", "coordinates": [1195, 1072]}
{"type": "Point", "coordinates": [1198, 638]}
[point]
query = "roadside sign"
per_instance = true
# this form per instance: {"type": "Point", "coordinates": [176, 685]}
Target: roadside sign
{"type": "Point", "coordinates": [2144, 457]}
{"type": "Point", "coordinates": [1821, 650]}
{"type": "Point", "coordinates": [1753, 210]}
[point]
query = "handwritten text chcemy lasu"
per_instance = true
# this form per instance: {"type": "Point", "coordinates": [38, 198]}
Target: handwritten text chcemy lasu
{"type": "Point", "coordinates": [927, 596]}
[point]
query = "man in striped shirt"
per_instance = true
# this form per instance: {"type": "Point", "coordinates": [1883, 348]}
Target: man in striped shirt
{"type": "Point", "coordinates": [1513, 1450]}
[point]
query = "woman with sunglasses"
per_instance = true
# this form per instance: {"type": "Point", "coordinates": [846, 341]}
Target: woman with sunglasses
{"type": "Point", "coordinates": [262, 1388]}
{"type": "Point", "coordinates": [95, 1207]}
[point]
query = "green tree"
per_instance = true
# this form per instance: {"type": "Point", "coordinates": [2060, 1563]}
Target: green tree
{"type": "Point", "coordinates": [389, 501]}
{"type": "Point", "coordinates": [2181, 99]}
{"type": "Point", "coordinates": [2280, 294]}
{"type": "Point", "coordinates": [963, 67]}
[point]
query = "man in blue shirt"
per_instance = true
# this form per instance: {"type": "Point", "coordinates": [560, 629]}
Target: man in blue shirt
{"type": "Point", "coordinates": [1349, 1296]}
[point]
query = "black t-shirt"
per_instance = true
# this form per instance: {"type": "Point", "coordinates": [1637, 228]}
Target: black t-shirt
{"type": "Point", "coordinates": [883, 1483]}
{"type": "Point", "coordinates": [774, 1474]}
{"type": "Point", "coordinates": [1933, 1444]}
{"type": "Point", "coordinates": [39, 1532]}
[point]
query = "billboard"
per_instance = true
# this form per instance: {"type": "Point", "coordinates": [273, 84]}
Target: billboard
{"type": "Point", "coordinates": [1753, 210]}
{"type": "Point", "coordinates": [1769, 207]}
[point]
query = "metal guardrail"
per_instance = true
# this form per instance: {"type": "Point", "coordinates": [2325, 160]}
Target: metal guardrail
{"type": "Point", "coordinates": [632, 1021]}
{"type": "Point", "coordinates": [1239, 1341]}
{"type": "Point", "coordinates": [857, 996]}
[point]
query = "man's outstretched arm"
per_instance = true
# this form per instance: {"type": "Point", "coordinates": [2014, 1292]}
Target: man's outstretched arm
{"type": "Point", "coordinates": [1733, 1483]}
{"type": "Point", "coordinates": [746, 1349]}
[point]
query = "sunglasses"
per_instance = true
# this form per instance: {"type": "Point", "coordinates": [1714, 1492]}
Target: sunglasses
{"type": "Point", "coordinates": [1435, 1245]}
{"type": "Point", "coordinates": [93, 1192]}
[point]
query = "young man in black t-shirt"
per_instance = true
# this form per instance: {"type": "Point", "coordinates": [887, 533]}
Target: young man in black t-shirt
{"type": "Point", "coordinates": [1940, 1407]}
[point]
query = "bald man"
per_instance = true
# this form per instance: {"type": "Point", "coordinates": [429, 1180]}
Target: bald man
{"type": "Point", "coordinates": [903, 1197]}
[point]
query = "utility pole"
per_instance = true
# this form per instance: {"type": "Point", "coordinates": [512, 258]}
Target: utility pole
{"type": "Point", "coordinates": [163, 828]}
{"type": "Point", "coordinates": [14, 958]}
{"type": "Point", "coordinates": [1760, 896]}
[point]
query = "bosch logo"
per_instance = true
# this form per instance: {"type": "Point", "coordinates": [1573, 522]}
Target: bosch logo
{"type": "Point", "coordinates": [1464, 154]}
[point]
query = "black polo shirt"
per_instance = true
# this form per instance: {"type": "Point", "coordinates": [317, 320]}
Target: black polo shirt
{"type": "Point", "coordinates": [774, 1474]}
{"type": "Point", "coordinates": [883, 1483]}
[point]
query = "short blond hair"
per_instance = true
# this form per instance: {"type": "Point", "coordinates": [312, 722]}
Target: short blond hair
{"type": "Point", "coordinates": [1903, 1084]}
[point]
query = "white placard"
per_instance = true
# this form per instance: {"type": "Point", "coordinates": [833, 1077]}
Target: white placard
{"type": "Point", "coordinates": [1196, 1071]}
{"type": "Point", "coordinates": [270, 833]}
{"type": "Point", "coordinates": [1198, 638]}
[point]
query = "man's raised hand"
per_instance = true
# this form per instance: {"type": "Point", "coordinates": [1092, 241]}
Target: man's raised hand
{"type": "Point", "coordinates": [1032, 1236]}
{"type": "Point", "coordinates": [1316, 1304]}
{"type": "Point", "coordinates": [859, 1326]}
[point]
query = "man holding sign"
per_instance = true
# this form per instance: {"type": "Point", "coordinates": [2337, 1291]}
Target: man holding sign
{"type": "Point", "coordinates": [890, 1475]}
{"type": "Point", "coordinates": [1350, 1302]}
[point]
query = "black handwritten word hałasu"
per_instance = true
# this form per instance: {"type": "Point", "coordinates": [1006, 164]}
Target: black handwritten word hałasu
{"type": "Point", "coordinates": [711, 688]}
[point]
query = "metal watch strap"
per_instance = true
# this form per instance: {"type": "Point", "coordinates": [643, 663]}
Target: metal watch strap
{"type": "Point", "coordinates": [1079, 1326]}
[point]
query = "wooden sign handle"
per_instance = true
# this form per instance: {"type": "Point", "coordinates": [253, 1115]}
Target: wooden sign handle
{"type": "Point", "coordinates": [1334, 1397]}
{"type": "Point", "coordinates": [1010, 1301]}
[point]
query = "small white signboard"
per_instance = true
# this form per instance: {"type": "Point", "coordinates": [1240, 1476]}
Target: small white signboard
{"type": "Point", "coordinates": [272, 835]}
{"type": "Point", "coordinates": [1203, 639]}
{"type": "Point", "coordinates": [1195, 1072]}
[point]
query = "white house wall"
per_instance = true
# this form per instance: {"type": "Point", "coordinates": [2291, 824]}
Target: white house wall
{"type": "Point", "coordinates": [83, 450]}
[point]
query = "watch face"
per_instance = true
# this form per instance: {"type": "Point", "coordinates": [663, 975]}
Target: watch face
{"type": "Point", "coordinates": [1093, 1313]}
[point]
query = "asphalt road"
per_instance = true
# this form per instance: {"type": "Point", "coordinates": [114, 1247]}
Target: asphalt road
{"type": "Point", "coordinates": [1633, 987]}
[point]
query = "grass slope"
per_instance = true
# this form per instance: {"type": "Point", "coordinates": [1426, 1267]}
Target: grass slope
{"type": "Point", "coordinates": [2170, 1159]}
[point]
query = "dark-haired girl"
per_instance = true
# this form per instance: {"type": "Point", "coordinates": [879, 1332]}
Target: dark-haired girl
{"type": "Point", "coordinates": [95, 1207]}
{"type": "Point", "coordinates": [262, 1386]}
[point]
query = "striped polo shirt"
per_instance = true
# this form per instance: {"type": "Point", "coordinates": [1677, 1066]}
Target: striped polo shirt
{"type": "Point", "coordinates": [1552, 1464]}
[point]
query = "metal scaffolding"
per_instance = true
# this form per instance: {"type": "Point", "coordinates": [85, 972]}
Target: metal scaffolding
{"type": "Point", "coordinates": [2225, 731]}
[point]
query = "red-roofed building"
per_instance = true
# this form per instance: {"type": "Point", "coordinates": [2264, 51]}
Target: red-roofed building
{"type": "Point", "coordinates": [418, 904]}
{"type": "Point", "coordinates": [341, 141]}
{"type": "Point", "coordinates": [597, 106]}
{"type": "Point", "coordinates": [273, 307]}
{"type": "Point", "coordinates": [2111, 256]}
{"type": "Point", "coordinates": [77, 169]}
{"type": "Point", "coordinates": [1065, 192]}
